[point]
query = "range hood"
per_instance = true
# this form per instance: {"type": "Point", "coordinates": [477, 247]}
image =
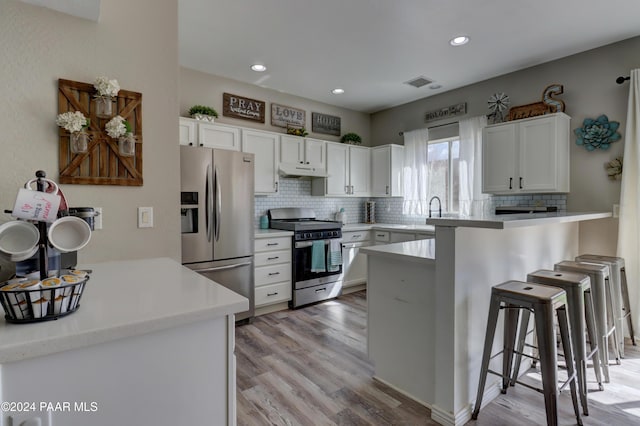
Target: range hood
{"type": "Point", "coordinates": [300, 170]}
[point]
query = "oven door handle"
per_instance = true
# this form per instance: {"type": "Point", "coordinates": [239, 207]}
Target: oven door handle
{"type": "Point", "coordinates": [303, 244]}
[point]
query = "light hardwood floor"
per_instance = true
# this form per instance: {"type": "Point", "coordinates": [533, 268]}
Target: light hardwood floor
{"type": "Point", "coordinates": [309, 367]}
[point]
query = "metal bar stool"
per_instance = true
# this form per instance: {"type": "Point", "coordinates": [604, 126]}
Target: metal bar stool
{"type": "Point", "coordinates": [543, 301]}
{"type": "Point", "coordinates": [602, 295]}
{"type": "Point", "coordinates": [619, 281]}
{"type": "Point", "coordinates": [580, 311]}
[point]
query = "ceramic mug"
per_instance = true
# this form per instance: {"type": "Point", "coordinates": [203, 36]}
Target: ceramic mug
{"type": "Point", "coordinates": [18, 239]}
{"type": "Point", "coordinates": [69, 233]}
{"type": "Point", "coordinates": [36, 205]}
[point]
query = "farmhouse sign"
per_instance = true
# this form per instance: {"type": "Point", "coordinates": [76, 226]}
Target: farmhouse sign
{"type": "Point", "coordinates": [281, 116]}
{"type": "Point", "coordinates": [241, 107]}
{"type": "Point", "coordinates": [446, 112]}
{"type": "Point", "coordinates": [323, 123]}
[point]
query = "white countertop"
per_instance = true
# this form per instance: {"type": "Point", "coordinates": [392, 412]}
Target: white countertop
{"type": "Point", "coordinates": [423, 251]}
{"type": "Point", "coordinates": [123, 299]}
{"type": "Point", "coordinates": [272, 233]}
{"type": "Point", "coordinates": [387, 227]}
{"type": "Point", "coordinates": [516, 220]}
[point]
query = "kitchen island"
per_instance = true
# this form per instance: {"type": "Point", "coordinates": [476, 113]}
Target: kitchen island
{"type": "Point", "coordinates": [152, 343]}
{"type": "Point", "coordinates": [428, 301]}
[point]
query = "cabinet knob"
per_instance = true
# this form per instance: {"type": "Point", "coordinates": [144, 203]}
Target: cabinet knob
{"type": "Point", "coordinates": [302, 162]}
{"type": "Point", "coordinates": [201, 144]}
{"type": "Point", "coordinates": [307, 162]}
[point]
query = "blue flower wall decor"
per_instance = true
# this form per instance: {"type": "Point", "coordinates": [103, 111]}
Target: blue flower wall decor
{"type": "Point", "coordinates": [598, 133]}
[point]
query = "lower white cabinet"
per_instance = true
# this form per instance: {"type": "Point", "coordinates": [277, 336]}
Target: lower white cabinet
{"type": "Point", "coordinates": [272, 270]}
{"type": "Point", "coordinates": [354, 264]}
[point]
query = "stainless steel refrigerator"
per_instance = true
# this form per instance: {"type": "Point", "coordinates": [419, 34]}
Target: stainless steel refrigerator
{"type": "Point", "coordinates": [217, 217]}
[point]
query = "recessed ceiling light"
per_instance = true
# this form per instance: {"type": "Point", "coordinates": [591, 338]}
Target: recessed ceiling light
{"type": "Point", "coordinates": [258, 67]}
{"type": "Point", "coordinates": [459, 40]}
{"type": "Point", "coordinates": [435, 86]}
{"type": "Point", "coordinates": [337, 91]}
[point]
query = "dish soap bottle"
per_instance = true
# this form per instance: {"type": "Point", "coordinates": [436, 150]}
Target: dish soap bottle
{"type": "Point", "coordinates": [341, 216]}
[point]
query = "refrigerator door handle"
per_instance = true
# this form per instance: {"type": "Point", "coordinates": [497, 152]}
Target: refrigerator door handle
{"type": "Point", "coordinates": [222, 268]}
{"type": "Point", "coordinates": [209, 203]}
{"type": "Point", "coordinates": [218, 204]}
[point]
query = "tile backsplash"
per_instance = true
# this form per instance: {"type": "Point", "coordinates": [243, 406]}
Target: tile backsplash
{"type": "Point", "coordinates": [297, 193]}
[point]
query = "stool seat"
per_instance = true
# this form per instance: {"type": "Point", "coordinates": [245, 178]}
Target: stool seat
{"type": "Point", "coordinates": [544, 301]}
{"type": "Point", "coordinates": [580, 312]}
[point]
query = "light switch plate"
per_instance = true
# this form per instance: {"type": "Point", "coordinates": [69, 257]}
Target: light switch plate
{"type": "Point", "coordinates": [145, 217]}
{"type": "Point", "coordinates": [616, 210]}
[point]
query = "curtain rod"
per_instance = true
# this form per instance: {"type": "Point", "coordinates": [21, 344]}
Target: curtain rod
{"type": "Point", "coordinates": [436, 126]}
{"type": "Point", "coordinates": [622, 79]}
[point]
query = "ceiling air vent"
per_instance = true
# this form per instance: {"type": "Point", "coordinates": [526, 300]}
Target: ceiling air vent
{"type": "Point", "coordinates": [419, 81]}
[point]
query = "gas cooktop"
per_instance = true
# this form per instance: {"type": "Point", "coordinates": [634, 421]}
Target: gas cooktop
{"type": "Point", "coordinates": [299, 219]}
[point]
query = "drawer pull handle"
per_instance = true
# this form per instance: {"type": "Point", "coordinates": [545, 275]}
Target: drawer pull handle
{"type": "Point", "coordinates": [274, 273]}
{"type": "Point", "coordinates": [356, 236]}
{"type": "Point", "coordinates": [380, 235]}
{"type": "Point", "coordinates": [273, 258]}
{"type": "Point", "coordinates": [273, 244]}
{"type": "Point", "coordinates": [321, 289]}
{"type": "Point", "coordinates": [272, 294]}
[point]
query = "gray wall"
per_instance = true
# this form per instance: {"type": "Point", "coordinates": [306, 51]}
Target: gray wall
{"type": "Point", "coordinates": [206, 89]}
{"type": "Point", "coordinates": [589, 90]}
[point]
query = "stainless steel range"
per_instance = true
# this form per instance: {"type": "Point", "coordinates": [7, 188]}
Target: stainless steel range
{"type": "Point", "coordinates": [310, 283]}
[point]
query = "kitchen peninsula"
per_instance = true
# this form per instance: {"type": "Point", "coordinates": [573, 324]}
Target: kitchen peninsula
{"type": "Point", "coordinates": [152, 343]}
{"type": "Point", "coordinates": [428, 300]}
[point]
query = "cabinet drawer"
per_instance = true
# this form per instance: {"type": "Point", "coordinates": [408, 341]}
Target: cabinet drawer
{"type": "Point", "coordinates": [352, 237]}
{"type": "Point", "coordinates": [272, 257]}
{"type": "Point", "coordinates": [265, 244]}
{"type": "Point", "coordinates": [273, 293]}
{"type": "Point", "coordinates": [272, 274]}
{"type": "Point", "coordinates": [381, 235]}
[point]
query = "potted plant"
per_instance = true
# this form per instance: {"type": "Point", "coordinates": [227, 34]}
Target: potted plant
{"type": "Point", "coordinates": [351, 138]}
{"type": "Point", "coordinates": [76, 124]}
{"type": "Point", "coordinates": [201, 112]}
{"type": "Point", "coordinates": [119, 128]}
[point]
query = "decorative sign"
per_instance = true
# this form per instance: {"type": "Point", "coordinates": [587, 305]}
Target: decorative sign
{"type": "Point", "coordinates": [281, 116]}
{"type": "Point", "coordinates": [241, 107]}
{"type": "Point", "coordinates": [548, 105]}
{"type": "Point", "coordinates": [323, 123]}
{"type": "Point", "coordinates": [446, 112]}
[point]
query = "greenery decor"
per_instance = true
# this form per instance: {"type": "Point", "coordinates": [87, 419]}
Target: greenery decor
{"type": "Point", "coordinates": [351, 138]}
{"type": "Point", "coordinates": [296, 130]}
{"type": "Point", "coordinates": [204, 110]}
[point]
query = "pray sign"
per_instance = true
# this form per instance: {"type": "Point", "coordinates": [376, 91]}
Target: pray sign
{"type": "Point", "coordinates": [241, 107]}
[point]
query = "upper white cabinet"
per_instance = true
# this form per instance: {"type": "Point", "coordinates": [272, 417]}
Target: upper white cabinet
{"type": "Point", "coordinates": [527, 156]}
{"type": "Point", "coordinates": [348, 170]}
{"type": "Point", "coordinates": [387, 162]}
{"type": "Point", "coordinates": [305, 151]}
{"type": "Point", "coordinates": [265, 146]}
{"type": "Point", "coordinates": [210, 135]}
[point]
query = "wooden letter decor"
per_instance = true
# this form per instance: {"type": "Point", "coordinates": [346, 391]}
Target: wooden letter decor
{"type": "Point", "coordinates": [101, 164]}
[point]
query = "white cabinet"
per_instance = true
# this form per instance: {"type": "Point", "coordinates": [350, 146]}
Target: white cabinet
{"type": "Point", "coordinates": [401, 237]}
{"type": "Point", "coordinates": [527, 156]}
{"type": "Point", "coordinates": [306, 151]}
{"type": "Point", "coordinates": [265, 146]}
{"type": "Point", "coordinates": [348, 170]}
{"type": "Point", "coordinates": [210, 135]}
{"type": "Point", "coordinates": [272, 270]}
{"type": "Point", "coordinates": [354, 264]}
{"type": "Point", "coordinates": [188, 131]}
{"type": "Point", "coordinates": [386, 171]}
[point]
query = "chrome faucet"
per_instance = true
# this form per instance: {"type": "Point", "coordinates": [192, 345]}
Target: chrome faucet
{"type": "Point", "coordinates": [439, 206]}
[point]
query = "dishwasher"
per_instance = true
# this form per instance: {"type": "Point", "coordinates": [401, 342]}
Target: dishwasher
{"type": "Point", "coordinates": [354, 264]}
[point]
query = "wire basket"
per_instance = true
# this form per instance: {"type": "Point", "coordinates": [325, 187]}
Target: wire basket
{"type": "Point", "coordinates": [26, 301]}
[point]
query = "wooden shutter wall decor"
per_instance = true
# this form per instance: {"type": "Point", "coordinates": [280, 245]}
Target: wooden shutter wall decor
{"type": "Point", "coordinates": [102, 163]}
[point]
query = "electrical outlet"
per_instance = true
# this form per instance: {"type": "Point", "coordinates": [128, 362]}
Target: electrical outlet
{"type": "Point", "coordinates": [145, 217]}
{"type": "Point", "coordinates": [97, 220]}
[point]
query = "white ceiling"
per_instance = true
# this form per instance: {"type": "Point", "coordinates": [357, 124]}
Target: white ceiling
{"type": "Point", "coordinates": [371, 47]}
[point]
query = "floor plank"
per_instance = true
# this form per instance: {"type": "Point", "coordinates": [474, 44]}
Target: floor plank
{"type": "Point", "coordinates": [309, 367]}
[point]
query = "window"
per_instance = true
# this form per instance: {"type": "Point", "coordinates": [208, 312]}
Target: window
{"type": "Point", "coordinates": [444, 178]}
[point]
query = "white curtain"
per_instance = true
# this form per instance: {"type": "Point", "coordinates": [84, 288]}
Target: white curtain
{"type": "Point", "coordinates": [472, 200]}
{"type": "Point", "coordinates": [416, 177]}
{"type": "Point", "coordinates": [629, 228]}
